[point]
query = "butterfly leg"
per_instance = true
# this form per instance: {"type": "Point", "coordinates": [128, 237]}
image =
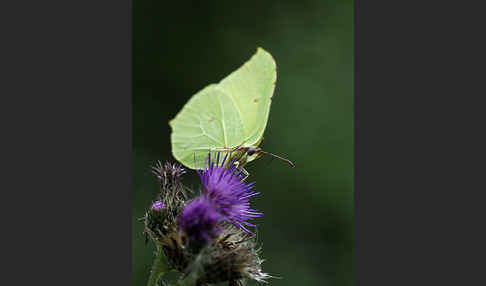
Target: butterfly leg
{"type": "Point", "coordinates": [241, 170]}
{"type": "Point", "coordinates": [245, 173]}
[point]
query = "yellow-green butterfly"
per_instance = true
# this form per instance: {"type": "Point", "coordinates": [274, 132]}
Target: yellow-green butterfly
{"type": "Point", "coordinates": [230, 116]}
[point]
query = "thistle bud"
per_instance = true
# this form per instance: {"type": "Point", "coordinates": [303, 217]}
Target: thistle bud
{"type": "Point", "coordinates": [157, 206]}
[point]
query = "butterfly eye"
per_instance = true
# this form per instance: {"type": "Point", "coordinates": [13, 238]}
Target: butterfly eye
{"type": "Point", "coordinates": [252, 150]}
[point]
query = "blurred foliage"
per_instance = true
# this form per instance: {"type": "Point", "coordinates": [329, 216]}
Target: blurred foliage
{"type": "Point", "coordinates": [307, 231]}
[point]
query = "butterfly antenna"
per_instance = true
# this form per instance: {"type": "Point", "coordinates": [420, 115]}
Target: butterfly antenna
{"type": "Point", "coordinates": [278, 157]}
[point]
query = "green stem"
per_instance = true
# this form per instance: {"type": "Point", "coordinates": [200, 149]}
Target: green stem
{"type": "Point", "coordinates": [159, 267]}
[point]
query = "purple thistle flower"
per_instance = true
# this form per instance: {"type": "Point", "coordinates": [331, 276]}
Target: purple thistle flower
{"type": "Point", "coordinates": [199, 220]}
{"type": "Point", "coordinates": [228, 194]}
{"type": "Point", "coordinates": [157, 205]}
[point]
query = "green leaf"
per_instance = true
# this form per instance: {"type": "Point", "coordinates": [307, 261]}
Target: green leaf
{"type": "Point", "coordinates": [159, 267]}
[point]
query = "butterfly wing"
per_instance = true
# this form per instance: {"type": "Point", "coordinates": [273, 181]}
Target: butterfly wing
{"type": "Point", "coordinates": [208, 121]}
{"type": "Point", "coordinates": [231, 113]}
{"type": "Point", "coordinates": [251, 89]}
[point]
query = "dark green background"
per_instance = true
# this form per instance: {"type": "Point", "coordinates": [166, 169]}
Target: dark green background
{"type": "Point", "coordinates": [180, 47]}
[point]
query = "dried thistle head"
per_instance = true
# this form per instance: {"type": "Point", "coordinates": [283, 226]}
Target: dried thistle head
{"type": "Point", "coordinates": [172, 192]}
{"type": "Point", "coordinates": [163, 213]}
{"type": "Point", "coordinates": [231, 257]}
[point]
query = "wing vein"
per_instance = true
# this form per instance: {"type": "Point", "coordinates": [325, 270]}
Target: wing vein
{"type": "Point", "coordinates": [203, 131]}
{"type": "Point", "coordinates": [223, 125]}
{"type": "Point", "coordinates": [209, 136]}
{"type": "Point", "coordinates": [204, 134]}
{"type": "Point", "coordinates": [246, 66]}
{"type": "Point", "coordinates": [233, 100]}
